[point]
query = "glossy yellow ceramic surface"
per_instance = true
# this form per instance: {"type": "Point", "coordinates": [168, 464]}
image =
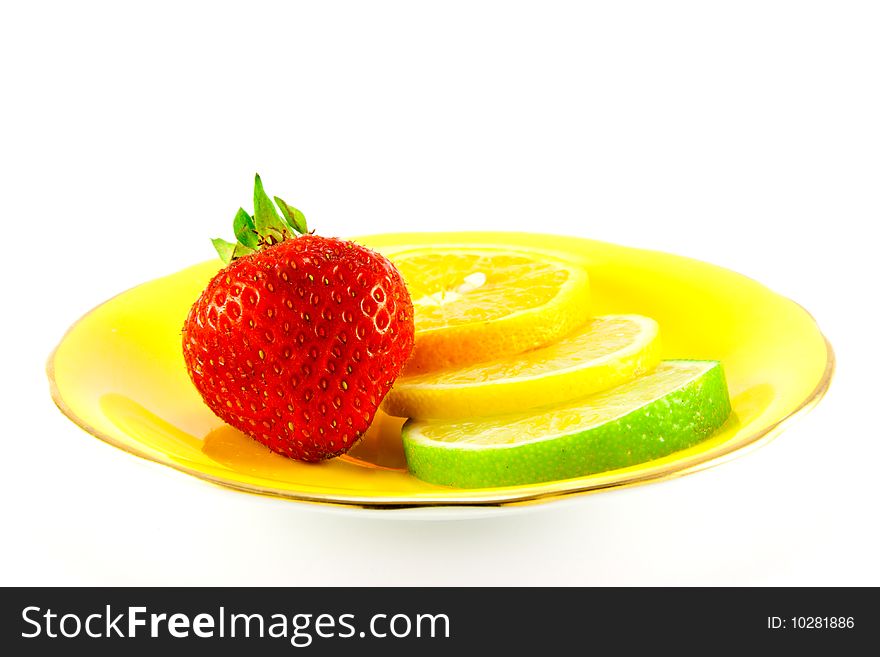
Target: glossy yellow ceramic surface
{"type": "Point", "coordinates": [119, 374]}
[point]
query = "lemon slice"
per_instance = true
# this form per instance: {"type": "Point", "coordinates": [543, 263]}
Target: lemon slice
{"type": "Point", "coordinates": [605, 352]}
{"type": "Point", "coordinates": [677, 405]}
{"type": "Point", "coordinates": [474, 304]}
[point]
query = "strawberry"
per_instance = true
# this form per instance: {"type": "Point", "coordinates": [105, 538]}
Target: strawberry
{"type": "Point", "coordinates": [298, 338]}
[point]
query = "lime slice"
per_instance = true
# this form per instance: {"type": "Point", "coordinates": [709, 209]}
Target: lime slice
{"type": "Point", "coordinates": [677, 405]}
{"type": "Point", "coordinates": [605, 352]}
{"type": "Point", "coordinates": [472, 304]}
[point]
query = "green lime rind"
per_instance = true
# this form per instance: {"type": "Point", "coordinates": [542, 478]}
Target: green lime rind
{"type": "Point", "coordinates": [643, 428]}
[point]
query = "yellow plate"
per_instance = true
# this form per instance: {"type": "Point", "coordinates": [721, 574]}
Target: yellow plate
{"type": "Point", "coordinates": [119, 374]}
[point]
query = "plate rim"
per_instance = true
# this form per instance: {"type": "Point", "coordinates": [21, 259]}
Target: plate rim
{"type": "Point", "coordinates": [490, 497]}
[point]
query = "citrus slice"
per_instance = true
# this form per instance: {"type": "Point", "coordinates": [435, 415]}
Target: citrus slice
{"type": "Point", "coordinates": [604, 352]}
{"type": "Point", "coordinates": [677, 405]}
{"type": "Point", "coordinates": [474, 304]}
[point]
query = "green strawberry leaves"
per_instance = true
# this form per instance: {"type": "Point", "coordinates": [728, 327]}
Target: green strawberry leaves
{"type": "Point", "coordinates": [268, 224]}
{"type": "Point", "coordinates": [295, 219]}
{"type": "Point", "coordinates": [265, 228]}
{"type": "Point", "coordinates": [245, 229]}
{"type": "Point", "coordinates": [229, 251]}
{"type": "Point", "coordinates": [224, 249]}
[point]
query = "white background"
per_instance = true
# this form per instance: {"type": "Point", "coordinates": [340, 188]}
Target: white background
{"type": "Point", "coordinates": [745, 134]}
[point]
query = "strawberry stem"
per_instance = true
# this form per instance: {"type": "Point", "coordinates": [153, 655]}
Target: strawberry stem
{"type": "Point", "coordinates": [265, 228]}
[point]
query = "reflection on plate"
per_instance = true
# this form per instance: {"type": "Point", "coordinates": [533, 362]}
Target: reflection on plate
{"type": "Point", "coordinates": [119, 374]}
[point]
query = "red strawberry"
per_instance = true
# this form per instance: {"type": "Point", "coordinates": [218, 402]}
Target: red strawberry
{"type": "Point", "coordinates": [298, 339]}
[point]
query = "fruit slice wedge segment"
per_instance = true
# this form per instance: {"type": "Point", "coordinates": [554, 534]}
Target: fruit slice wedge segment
{"type": "Point", "coordinates": [677, 405]}
{"type": "Point", "coordinates": [474, 304]}
{"type": "Point", "coordinates": [603, 353]}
